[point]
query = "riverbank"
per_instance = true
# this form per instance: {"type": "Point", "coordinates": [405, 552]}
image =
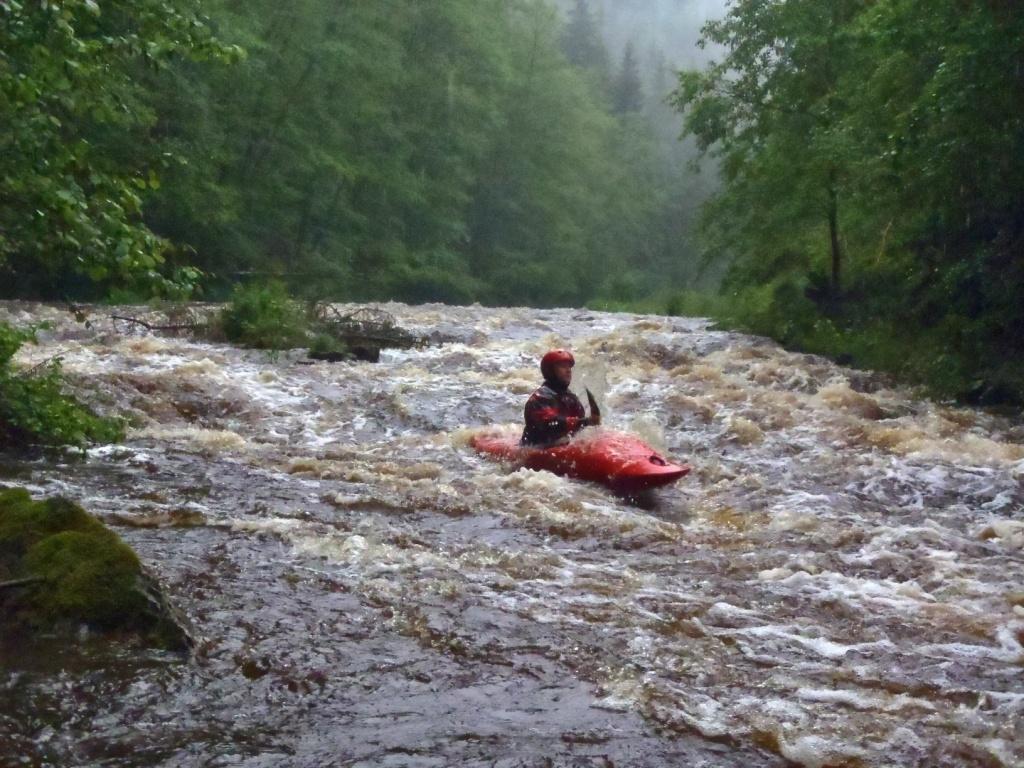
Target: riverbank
{"type": "Point", "coordinates": [940, 360]}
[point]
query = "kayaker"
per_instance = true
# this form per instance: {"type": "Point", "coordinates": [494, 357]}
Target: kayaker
{"type": "Point", "coordinates": [553, 412]}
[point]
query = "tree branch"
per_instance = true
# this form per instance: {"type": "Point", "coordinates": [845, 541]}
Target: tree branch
{"type": "Point", "coordinates": [21, 582]}
{"type": "Point", "coordinates": [151, 327]}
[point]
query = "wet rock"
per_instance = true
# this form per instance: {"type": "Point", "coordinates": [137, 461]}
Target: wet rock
{"type": "Point", "coordinates": [62, 568]}
{"type": "Point", "coordinates": [330, 357]}
{"type": "Point", "coordinates": [366, 353]}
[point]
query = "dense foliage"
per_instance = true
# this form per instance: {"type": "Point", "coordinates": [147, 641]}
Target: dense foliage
{"type": "Point", "coordinates": [873, 159]}
{"type": "Point", "coordinates": [75, 161]}
{"type": "Point", "coordinates": [871, 153]}
{"type": "Point", "coordinates": [423, 151]}
{"type": "Point", "coordinates": [35, 408]}
{"type": "Point", "coordinates": [457, 151]}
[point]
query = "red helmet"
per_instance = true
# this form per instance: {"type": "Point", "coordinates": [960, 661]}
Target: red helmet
{"type": "Point", "coordinates": [553, 358]}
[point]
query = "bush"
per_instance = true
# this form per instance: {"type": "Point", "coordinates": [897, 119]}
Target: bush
{"type": "Point", "coordinates": [35, 409]}
{"type": "Point", "coordinates": [324, 345]}
{"type": "Point", "coordinates": [265, 316]}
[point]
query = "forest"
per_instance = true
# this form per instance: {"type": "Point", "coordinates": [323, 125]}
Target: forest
{"type": "Point", "coordinates": [862, 195]}
{"type": "Point", "coordinates": [872, 199]}
{"type": "Point", "coordinates": [451, 151]}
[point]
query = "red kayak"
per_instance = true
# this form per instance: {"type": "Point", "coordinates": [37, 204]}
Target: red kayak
{"type": "Point", "coordinates": [622, 462]}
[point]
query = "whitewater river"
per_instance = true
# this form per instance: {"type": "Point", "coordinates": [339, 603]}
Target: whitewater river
{"type": "Point", "coordinates": [840, 582]}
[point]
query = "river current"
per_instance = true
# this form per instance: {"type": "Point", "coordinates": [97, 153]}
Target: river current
{"type": "Point", "coordinates": [839, 582]}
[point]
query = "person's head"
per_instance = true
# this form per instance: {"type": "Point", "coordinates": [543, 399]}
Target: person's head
{"type": "Point", "coordinates": [557, 365]}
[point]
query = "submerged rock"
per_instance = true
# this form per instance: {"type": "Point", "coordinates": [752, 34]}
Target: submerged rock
{"type": "Point", "coordinates": [61, 568]}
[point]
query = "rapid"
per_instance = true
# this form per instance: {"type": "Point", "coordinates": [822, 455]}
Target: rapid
{"type": "Point", "coordinates": [839, 582]}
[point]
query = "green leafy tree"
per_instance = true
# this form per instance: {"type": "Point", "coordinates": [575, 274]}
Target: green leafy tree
{"type": "Point", "coordinates": [768, 111]}
{"type": "Point", "coordinates": [333, 155]}
{"type": "Point", "coordinates": [540, 205]}
{"type": "Point", "coordinates": [487, 170]}
{"type": "Point", "coordinates": [889, 136]}
{"type": "Point", "coordinates": [72, 173]}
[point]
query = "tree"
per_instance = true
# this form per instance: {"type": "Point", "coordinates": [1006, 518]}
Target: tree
{"type": "Point", "coordinates": [888, 135]}
{"type": "Point", "coordinates": [582, 42]}
{"type": "Point", "coordinates": [769, 112]}
{"type": "Point", "coordinates": [628, 92]}
{"type": "Point", "coordinates": [443, 149]}
{"type": "Point", "coordinates": [350, 156]}
{"type": "Point", "coordinates": [73, 173]}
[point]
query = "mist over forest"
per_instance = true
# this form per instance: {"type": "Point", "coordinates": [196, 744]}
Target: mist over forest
{"type": "Point", "coordinates": [664, 37]}
{"type": "Point", "coordinates": [659, 28]}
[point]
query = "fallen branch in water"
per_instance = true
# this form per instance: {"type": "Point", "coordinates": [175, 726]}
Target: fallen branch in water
{"type": "Point", "coordinates": [152, 327]}
{"type": "Point", "coordinates": [20, 582]}
{"type": "Point", "coordinates": [364, 327]}
{"type": "Point", "coordinates": [328, 333]}
{"type": "Point", "coordinates": [31, 371]}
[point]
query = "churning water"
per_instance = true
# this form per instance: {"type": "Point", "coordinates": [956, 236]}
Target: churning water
{"type": "Point", "coordinates": [838, 583]}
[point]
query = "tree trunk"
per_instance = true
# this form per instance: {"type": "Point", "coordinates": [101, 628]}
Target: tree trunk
{"type": "Point", "coordinates": [833, 231]}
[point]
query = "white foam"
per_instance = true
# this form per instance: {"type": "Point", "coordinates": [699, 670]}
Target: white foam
{"type": "Point", "coordinates": [813, 751]}
{"type": "Point", "coordinates": [821, 646]}
{"type": "Point", "coordinates": [862, 701]}
{"type": "Point", "coordinates": [1009, 533]}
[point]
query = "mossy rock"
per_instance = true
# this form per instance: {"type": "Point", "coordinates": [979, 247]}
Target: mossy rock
{"type": "Point", "coordinates": [73, 570]}
{"type": "Point", "coordinates": [24, 522]}
{"type": "Point", "coordinates": [92, 577]}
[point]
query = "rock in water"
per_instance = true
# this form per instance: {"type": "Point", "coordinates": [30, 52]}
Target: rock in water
{"type": "Point", "coordinates": [62, 568]}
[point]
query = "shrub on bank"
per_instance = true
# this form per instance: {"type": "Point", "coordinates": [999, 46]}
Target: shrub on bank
{"type": "Point", "coordinates": [35, 409]}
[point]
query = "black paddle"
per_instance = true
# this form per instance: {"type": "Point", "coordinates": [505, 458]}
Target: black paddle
{"type": "Point", "coordinates": [595, 412]}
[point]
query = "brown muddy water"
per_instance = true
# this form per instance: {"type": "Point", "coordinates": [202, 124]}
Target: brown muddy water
{"type": "Point", "coordinates": [840, 582]}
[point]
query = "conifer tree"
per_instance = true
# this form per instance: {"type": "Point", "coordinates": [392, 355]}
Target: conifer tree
{"type": "Point", "coordinates": [582, 41]}
{"type": "Point", "coordinates": [628, 92]}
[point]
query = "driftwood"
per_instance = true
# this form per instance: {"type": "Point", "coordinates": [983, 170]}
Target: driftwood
{"type": "Point", "coordinates": [20, 582]}
{"type": "Point", "coordinates": [364, 327]}
{"type": "Point", "coordinates": [152, 327]}
{"type": "Point", "coordinates": [29, 372]}
{"type": "Point", "coordinates": [178, 318]}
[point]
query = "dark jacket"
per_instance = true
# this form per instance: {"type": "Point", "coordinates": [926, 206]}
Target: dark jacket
{"type": "Point", "coordinates": [551, 413]}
